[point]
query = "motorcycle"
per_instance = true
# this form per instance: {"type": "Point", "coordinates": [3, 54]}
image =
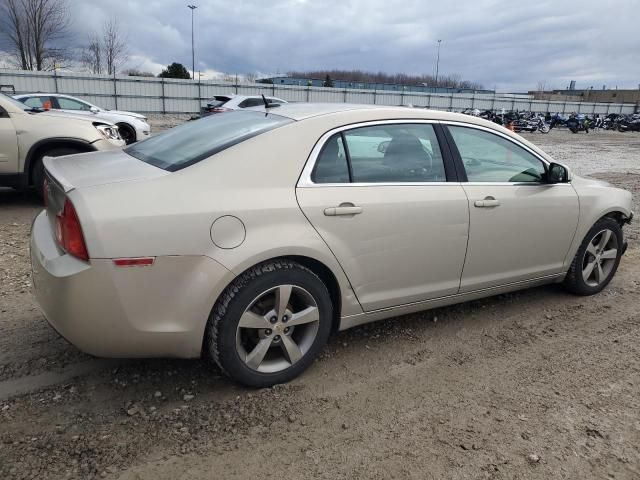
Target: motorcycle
{"type": "Point", "coordinates": [627, 125]}
{"type": "Point", "coordinates": [575, 124]}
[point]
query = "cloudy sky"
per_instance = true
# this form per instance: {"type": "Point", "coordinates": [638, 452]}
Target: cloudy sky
{"type": "Point", "coordinates": [511, 45]}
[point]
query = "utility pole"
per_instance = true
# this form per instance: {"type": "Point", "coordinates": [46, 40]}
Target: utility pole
{"type": "Point", "coordinates": [193, 54]}
{"type": "Point", "coordinates": [438, 63]}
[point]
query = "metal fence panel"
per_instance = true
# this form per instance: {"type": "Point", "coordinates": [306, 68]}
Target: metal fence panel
{"type": "Point", "coordinates": [155, 95]}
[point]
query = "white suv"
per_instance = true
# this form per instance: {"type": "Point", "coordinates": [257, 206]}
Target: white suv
{"type": "Point", "coordinates": [27, 135]}
{"type": "Point", "coordinates": [132, 126]}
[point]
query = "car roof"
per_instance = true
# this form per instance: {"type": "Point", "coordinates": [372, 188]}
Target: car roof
{"type": "Point", "coordinates": [301, 111]}
{"type": "Point", "coordinates": [45, 94]}
{"type": "Point", "coordinates": [345, 114]}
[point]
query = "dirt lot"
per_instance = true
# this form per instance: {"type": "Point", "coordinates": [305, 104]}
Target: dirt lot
{"type": "Point", "coordinates": [534, 385]}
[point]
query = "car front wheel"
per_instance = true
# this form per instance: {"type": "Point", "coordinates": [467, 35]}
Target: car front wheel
{"type": "Point", "coordinates": [127, 133]}
{"type": "Point", "coordinates": [270, 324]}
{"type": "Point", "coordinates": [597, 259]}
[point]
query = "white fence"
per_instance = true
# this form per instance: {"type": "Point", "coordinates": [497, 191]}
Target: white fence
{"type": "Point", "coordinates": [156, 95]}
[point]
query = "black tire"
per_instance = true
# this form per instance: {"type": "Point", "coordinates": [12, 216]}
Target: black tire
{"type": "Point", "coordinates": [127, 132]}
{"type": "Point", "coordinates": [574, 281]}
{"type": "Point", "coordinates": [220, 335]}
{"type": "Point", "coordinates": [37, 173]}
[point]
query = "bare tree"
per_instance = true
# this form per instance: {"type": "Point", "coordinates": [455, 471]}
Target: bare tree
{"type": "Point", "coordinates": [91, 55]}
{"type": "Point", "coordinates": [359, 76]}
{"type": "Point", "coordinates": [541, 86]}
{"type": "Point", "coordinates": [114, 46]}
{"type": "Point", "coordinates": [31, 28]}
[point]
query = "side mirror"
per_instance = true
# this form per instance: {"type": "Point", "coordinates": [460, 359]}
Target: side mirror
{"type": "Point", "coordinates": [382, 147]}
{"type": "Point", "coordinates": [557, 173]}
{"type": "Point", "coordinates": [94, 109]}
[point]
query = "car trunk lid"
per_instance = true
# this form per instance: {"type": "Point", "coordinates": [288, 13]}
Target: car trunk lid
{"type": "Point", "coordinates": [98, 168]}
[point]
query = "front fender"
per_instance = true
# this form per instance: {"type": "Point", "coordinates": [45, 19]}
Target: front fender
{"type": "Point", "coordinates": [597, 199]}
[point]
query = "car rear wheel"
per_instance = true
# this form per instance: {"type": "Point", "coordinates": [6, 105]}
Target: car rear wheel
{"type": "Point", "coordinates": [597, 259]}
{"type": "Point", "coordinates": [37, 175]}
{"type": "Point", "coordinates": [270, 324]}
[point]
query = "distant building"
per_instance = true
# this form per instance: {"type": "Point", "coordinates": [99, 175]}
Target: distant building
{"type": "Point", "coordinates": [590, 95]}
{"type": "Point", "coordinates": [393, 87]}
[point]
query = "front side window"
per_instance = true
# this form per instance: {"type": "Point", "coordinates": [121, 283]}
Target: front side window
{"type": "Point", "coordinates": [192, 142]}
{"type": "Point", "coordinates": [491, 158]}
{"type": "Point", "coordinates": [251, 102]}
{"type": "Point", "coordinates": [70, 104]}
{"type": "Point", "coordinates": [392, 153]}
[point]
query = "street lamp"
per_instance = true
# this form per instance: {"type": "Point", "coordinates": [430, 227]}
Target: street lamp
{"type": "Point", "coordinates": [193, 55]}
{"type": "Point", "coordinates": [438, 62]}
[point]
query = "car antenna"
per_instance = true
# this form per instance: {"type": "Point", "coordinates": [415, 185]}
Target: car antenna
{"type": "Point", "coordinates": [267, 104]}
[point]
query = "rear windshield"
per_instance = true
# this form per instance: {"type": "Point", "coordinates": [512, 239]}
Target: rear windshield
{"type": "Point", "coordinates": [194, 141]}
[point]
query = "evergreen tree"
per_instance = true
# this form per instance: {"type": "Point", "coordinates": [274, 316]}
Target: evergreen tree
{"type": "Point", "coordinates": [175, 70]}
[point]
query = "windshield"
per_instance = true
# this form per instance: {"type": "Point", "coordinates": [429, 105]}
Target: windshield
{"type": "Point", "coordinates": [194, 141]}
{"type": "Point", "coordinates": [15, 102]}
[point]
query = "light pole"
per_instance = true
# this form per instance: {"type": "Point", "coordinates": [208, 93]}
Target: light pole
{"type": "Point", "coordinates": [193, 54]}
{"type": "Point", "coordinates": [438, 62]}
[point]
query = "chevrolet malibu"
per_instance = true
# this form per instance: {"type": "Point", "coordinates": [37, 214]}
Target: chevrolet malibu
{"type": "Point", "coordinates": [249, 237]}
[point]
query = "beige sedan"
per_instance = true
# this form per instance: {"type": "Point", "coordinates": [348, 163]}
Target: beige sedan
{"type": "Point", "coordinates": [249, 237]}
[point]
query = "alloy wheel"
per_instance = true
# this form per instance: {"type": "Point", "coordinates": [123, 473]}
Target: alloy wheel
{"type": "Point", "coordinates": [277, 329]}
{"type": "Point", "coordinates": [600, 258]}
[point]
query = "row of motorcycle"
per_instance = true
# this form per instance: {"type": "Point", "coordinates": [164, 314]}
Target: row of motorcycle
{"type": "Point", "coordinates": [520, 121]}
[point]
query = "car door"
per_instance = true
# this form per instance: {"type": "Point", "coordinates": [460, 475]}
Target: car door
{"type": "Point", "coordinates": [520, 227]}
{"type": "Point", "coordinates": [8, 145]}
{"type": "Point", "coordinates": [378, 195]}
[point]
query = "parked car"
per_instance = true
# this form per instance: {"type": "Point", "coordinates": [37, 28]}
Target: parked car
{"type": "Point", "coordinates": [132, 126]}
{"type": "Point", "coordinates": [28, 135]}
{"type": "Point", "coordinates": [228, 103]}
{"type": "Point", "coordinates": [248, 237]}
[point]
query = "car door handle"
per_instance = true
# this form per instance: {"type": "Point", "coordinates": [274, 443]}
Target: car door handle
{"type": "Point", "coordinates": [343, 209]}
{"type": "Point", "coordinates": [487, 202]}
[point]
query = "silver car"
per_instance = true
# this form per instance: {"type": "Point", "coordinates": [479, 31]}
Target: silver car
{"type": "Point", "coordinates": [132, 126]}
{"type": "Point", "coordinates": [249, 237]}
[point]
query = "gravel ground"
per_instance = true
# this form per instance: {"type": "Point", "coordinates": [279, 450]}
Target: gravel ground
{"type": "Point", "coordinates": [533, 385]}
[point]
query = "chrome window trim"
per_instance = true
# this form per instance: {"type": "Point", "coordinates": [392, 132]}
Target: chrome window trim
{"type": "Point", "coordinates": [305, 177]}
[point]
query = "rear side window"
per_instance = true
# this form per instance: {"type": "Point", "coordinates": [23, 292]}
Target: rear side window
{"type": "Point", "coordinates": [194, 141]}
{"type": "Point", "coordinates": [331, 166]}
{"type": "Point", "coordinates": [395, 153]}
{"type": "Point", "coordinates": [251, 102]}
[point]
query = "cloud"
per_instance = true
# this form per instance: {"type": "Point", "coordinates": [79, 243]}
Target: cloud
{"type": "Point", "coordinates": [510, 45]}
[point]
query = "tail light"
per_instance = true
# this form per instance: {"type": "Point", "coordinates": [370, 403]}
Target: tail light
{"type": "Point", "coordinates": [218, 109]}
{"type": "Point", "coordinates": [69, 232]}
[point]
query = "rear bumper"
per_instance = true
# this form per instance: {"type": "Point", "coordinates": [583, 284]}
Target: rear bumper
{"type": "Point", "coordinates": [109, 311]}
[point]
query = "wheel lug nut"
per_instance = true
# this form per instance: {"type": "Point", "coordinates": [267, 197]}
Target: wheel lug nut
{"type": "Point", "coordinates": [276, 338]}
{"type": "Point", "coordinates": [273, 319]}
{"type": "Point", "coordinates": [267, 332]}
{"type": "Point", "coordinates": [285, 319]}
{"type": "Point", "coordinates": [286, 330]}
